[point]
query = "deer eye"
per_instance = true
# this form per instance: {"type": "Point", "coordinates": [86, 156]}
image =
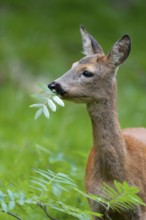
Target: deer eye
{"type": "Point", "coordinates": [87, 73]}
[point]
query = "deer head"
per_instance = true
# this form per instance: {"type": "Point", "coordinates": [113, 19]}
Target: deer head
{"type": "Point", "coordinates": [93, 77]}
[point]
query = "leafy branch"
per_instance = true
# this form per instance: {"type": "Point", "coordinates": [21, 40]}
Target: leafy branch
{"type": "Point", "coordinates": [119, 197]}
{"type": "Point", "coordinates": [46, 100]}
{"type": "Point", "coordinates": [9, 200]}
{"type": "Point", "coordinates": [122, 196]}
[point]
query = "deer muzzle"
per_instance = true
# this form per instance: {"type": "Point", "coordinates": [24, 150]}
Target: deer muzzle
{"type": "Point", "coordinates": [57, 88]}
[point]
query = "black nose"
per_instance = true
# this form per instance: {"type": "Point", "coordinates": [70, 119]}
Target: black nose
{"type": "Point", "coordinates": [56, 87]}
{"type": "Point", "coordinates": [53, 86]}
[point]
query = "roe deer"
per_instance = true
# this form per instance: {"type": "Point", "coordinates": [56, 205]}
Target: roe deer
{"type": "Point", "coordinates": [116, 155]}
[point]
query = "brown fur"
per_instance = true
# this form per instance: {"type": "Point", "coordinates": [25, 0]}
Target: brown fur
{"type": "Point", "coordinates": [135, 172]}
{"type": "Point", "coordinates": [116, 154]}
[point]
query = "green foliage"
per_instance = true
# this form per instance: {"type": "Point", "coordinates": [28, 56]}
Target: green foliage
{"type": "Point", "coordinates": [49, 190]}
{"type": "Point", "coordinates": [46, 99]}
{"type": "Point", "coordinates": [122, 197]}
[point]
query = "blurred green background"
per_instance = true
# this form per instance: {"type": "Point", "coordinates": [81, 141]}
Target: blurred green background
{"type": "Point", "coordinates": [39, 41]}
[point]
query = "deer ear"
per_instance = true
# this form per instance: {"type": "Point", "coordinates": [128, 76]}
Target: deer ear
{"type": "Point", "coordinates": [90, 45]}
{"type": "Point", "coordinates": [120, 50]}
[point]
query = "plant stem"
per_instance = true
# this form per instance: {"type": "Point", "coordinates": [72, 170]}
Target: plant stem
{"type": "Point", "coordinates": [43, 207]}
{"type": "Point", "coordinates": [12, 214]}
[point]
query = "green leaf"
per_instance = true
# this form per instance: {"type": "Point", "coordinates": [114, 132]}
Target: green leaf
{"type": "Point", "coordinates": [58, 101]}
{"type": "Point", "coordinates": [96, 198]}
{"type": "Point", "coordinates": [108, 191]}
{"type": "Point", "coordinates": [46, 175]}
{"type": "Point", "coordinates": [37, 105]}
{"type": "Point", "coordinates": [2, 195]}
{"type": "Point", "coordinates": [38, 113]}
{"type": "Point", "coordinates": [11, 195]}
{"type": "Point", "coordinates": [11, 205]}
{"type": "Point", "coordinates": [39, 184]}
{"type": "Point", "coordinates": [51, 105]}
{"type": "Point", "coordinates": [118, 186]}
{"type": "Point", "coordinates": [37, 188]}
{"type": "Point", "coordinates": [21, 198]}
{"type": "Point", "coordinates": [56, 190]}
{"type": "Point", "coordinates": [65, 176]}
{"type": "Point", "coordinates": [46, 112]}
{"type": "Point", "coordinates": [4, 206]}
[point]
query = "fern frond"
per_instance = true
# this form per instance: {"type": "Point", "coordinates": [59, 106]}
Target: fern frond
{"type": "Point", "coordinates": [51, 177]}
{"type": "Point", "coordinates": [122, 196]}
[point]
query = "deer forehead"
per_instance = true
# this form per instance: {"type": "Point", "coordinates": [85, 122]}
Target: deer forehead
{"type": "Point", "coordinates": [87, 63]}
{"type": "Point", "coordinates": [77, 67]}
{"type": "Point", "coordinates": [91, 59]}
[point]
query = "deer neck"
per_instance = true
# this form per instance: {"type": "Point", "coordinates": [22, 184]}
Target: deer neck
{"type": "Point", "coordinates": [108, 142]}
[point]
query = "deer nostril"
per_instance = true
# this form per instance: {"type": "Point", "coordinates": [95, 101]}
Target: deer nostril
{"type": "Point", "coordinates": [53, 85]}
{"type": "Point", "coordinates": [56, 87]}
